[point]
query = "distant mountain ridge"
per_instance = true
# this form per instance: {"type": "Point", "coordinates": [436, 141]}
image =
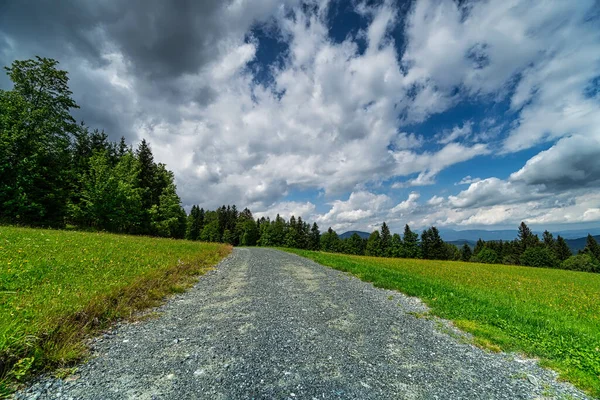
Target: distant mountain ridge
{"type": "Point", "coordinates": [346, 235]}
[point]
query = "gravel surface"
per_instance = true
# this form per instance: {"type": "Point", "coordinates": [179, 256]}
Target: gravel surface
{"type": "Point", "coordinates": [271, 325]}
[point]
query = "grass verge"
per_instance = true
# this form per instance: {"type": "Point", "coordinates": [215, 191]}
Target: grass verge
{"type": "Point", "coordinates": [59, 287]}
{"type": "Point", "coordinates": [550, 314]}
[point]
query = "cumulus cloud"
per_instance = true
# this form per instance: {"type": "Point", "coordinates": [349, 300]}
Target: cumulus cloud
{"type": "Point", "coordinates": [407, 205]}
{"type": "Point", "coordinates": [286, 209]}
{"type": "Point", "coordinates": [571, 163]}
{"type": "Point", "coordinates": [361, 209]}
{"type": "Point", "coordinates": [467, 180]}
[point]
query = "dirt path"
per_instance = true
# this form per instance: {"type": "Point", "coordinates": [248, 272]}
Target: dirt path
{"type": "Point", "coordinates": [271, 325]}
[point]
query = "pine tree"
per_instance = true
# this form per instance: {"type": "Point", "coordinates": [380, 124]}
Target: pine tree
{"type": "Point", "coordinates": [561, 249]}
{"type": "Point", "coordinates": [291, 236]}
{"type": "Point", "coordinates": [122, 148]}
{"type": "Point", "coordinates": [374, 245]}
{"type": "Point", "coordinates": [426, 244]}
{"type": "Point", "coordinates": [548, 240]}
{"type": "Point", "coordinates": [330, 241]}
{"type": "Point", "coordinates": [438, 249]}
{"type": "Point", "coordinates": [397, 248]}
{"type": "Point", "coordinates": [410, 243]}
{"type": "Point", "coordinates": [386, 240]}
{"type": "Point", "coordinates": [315, 237]}
{"type": "Point", "coordinates": [480, 245]}
{"type": "Point", "coordinates": [526, 238]}
{"type": "Point", "coordinates": [591, 247]}
{"type": "Point", "coordinates": [465, 252]}
{"type": "Point", "coordinates": [355, 244]}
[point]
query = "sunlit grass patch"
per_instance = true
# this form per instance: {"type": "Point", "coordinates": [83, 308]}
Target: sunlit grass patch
{"type": "Point", "coordinates": [57, 287]}
{"type": "Point", "coordinates": [550, 314]}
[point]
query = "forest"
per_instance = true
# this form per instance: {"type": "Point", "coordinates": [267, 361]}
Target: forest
{"type": "Point", "coordinates": [56, 172]}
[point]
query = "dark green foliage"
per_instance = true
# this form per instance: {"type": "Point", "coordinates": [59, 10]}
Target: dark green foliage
{"type": "Point", "coordinates": [561, 249]}
{"type": "Point", "coordinates": [487, 256]}
{"type": "Point", "coordinates": [466, 253]}
{"type": "Point", "coordinates": [397, 249]}
{"type": "Point", "coordinates": [374, 245]}
{"type": "Point", "coordinates": [36, 128]}
{"type": "Point", "coordinates": [410, 241]}
{"type": "Point", "coordinates": [314, 240]}
{"type": "Point", "coordinates": [54, 171]}
{"type": "Point", "coordinates": [591, 247]}
{"type": "Point", "coordinates": [478, 246]}
{"type": "Point", "coordinates": [540, 257]}
{"type": "Point", "coordinates": [354, 245]}
{"type": "Point", "coordinates": [386, 241]}
{"type": "Point", "coordinates": [330, 241]}
{"type": "Point", "coordinates": [432, 245]}
{"type": "Point", "coordinates": [548, 240]}
{"type": "Point", "coordinates": [581, 262]}
{"type": "Point", "coordinates": [526, 238]}
{"type": "Point", "coordinates": [195, 223]}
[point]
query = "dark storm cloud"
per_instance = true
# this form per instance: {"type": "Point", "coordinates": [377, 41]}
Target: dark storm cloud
{"type": "Point", "coordinates": [160, 39]}
{"type": "Point", "coordinates": [160, 42]}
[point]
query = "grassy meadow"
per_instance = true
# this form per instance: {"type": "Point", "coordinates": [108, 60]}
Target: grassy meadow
{"type": "Point", "coordinates": [550, 314]}
{"type": "Point", "coordinates": [57, 287]}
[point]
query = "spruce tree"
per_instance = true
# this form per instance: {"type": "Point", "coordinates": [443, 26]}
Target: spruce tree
{"type": "Point", "coordinates": [374, 245]}
{"type": "Point", "coordinates": [548, 240]}
{"type": "Point", "coordinates": [465, 252]}
{"type": "Point", "coordinates": [561, 249]}
{"type": "Point", "coordinates": [315, 237]}
{"type": "Point", "coordinates": [386, 240]}
{"type": "Point", "coordinates": [591, 247]}
{"type": "Point", "coordinates": [410, 243]}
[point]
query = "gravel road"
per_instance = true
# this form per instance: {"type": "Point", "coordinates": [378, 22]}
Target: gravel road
{"type": "Point", "coordinates": [270, 325]}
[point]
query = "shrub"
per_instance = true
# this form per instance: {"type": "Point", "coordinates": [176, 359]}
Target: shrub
{"type": "Point", "coordinates": [581, 262]}
{"type": "Point", "coordinates": [487, 256]}
{"type": "Point", "coordinates": [540, 257]}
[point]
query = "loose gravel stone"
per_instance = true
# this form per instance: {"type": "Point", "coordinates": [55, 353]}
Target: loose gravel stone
{"type": "Point", "coordinates": [270, 325]}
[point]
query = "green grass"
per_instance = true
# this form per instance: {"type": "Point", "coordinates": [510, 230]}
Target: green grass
{"type": "Point", "coordinates": [550, 314]}
{"type": "Point", "coordinates": [59, 287]}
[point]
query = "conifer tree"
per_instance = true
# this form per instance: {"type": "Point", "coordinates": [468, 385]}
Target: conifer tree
{"type": "Point", "coordinates": [410, 243]}
{"type": "Point", "coordinates": [386, 240]}
{"type": "Point", "coordinates": [561, 249]}
{"type": "Point", "coordinates": [374, 245]}
{"type": "Point", "coordinates": [315, 237]}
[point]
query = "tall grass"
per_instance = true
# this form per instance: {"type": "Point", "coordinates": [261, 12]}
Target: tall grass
{"type": "Point", "coordinates": [57, 287]}
{"type": "Point", "coordinates": [546, 313]}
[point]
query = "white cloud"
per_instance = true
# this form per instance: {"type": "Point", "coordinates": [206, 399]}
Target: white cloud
{"type": "Point", "coordinates": [457, 132]}
{"type": "Point", "coordinates": [435, 201]}
{"type": "Point", "coordinates": [286, 209]}
{"type": "Point", "coordinates": [570, 163]}
{"type": "Point", "coordinates": [361, 209]}
{"type": "Point", "coordinates": [407, 205]}
{"type": "Point", "coordinates": [467, 180]}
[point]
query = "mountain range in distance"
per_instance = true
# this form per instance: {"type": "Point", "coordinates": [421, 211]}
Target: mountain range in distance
{"type": "Point", "coordinates": [575, 238]}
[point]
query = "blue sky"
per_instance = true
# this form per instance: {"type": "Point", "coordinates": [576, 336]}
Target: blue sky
{"type": "Point", "coordinates": [349, 113]}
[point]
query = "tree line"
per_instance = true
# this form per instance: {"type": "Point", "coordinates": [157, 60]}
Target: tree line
{"type": "Point", "coordinates": [228, 225]}
{"type": "Point", "coordinates": [56, 172]}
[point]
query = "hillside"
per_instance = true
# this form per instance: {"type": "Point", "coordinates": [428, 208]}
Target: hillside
{"type": "Point", "coordinates": [579, 244]}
